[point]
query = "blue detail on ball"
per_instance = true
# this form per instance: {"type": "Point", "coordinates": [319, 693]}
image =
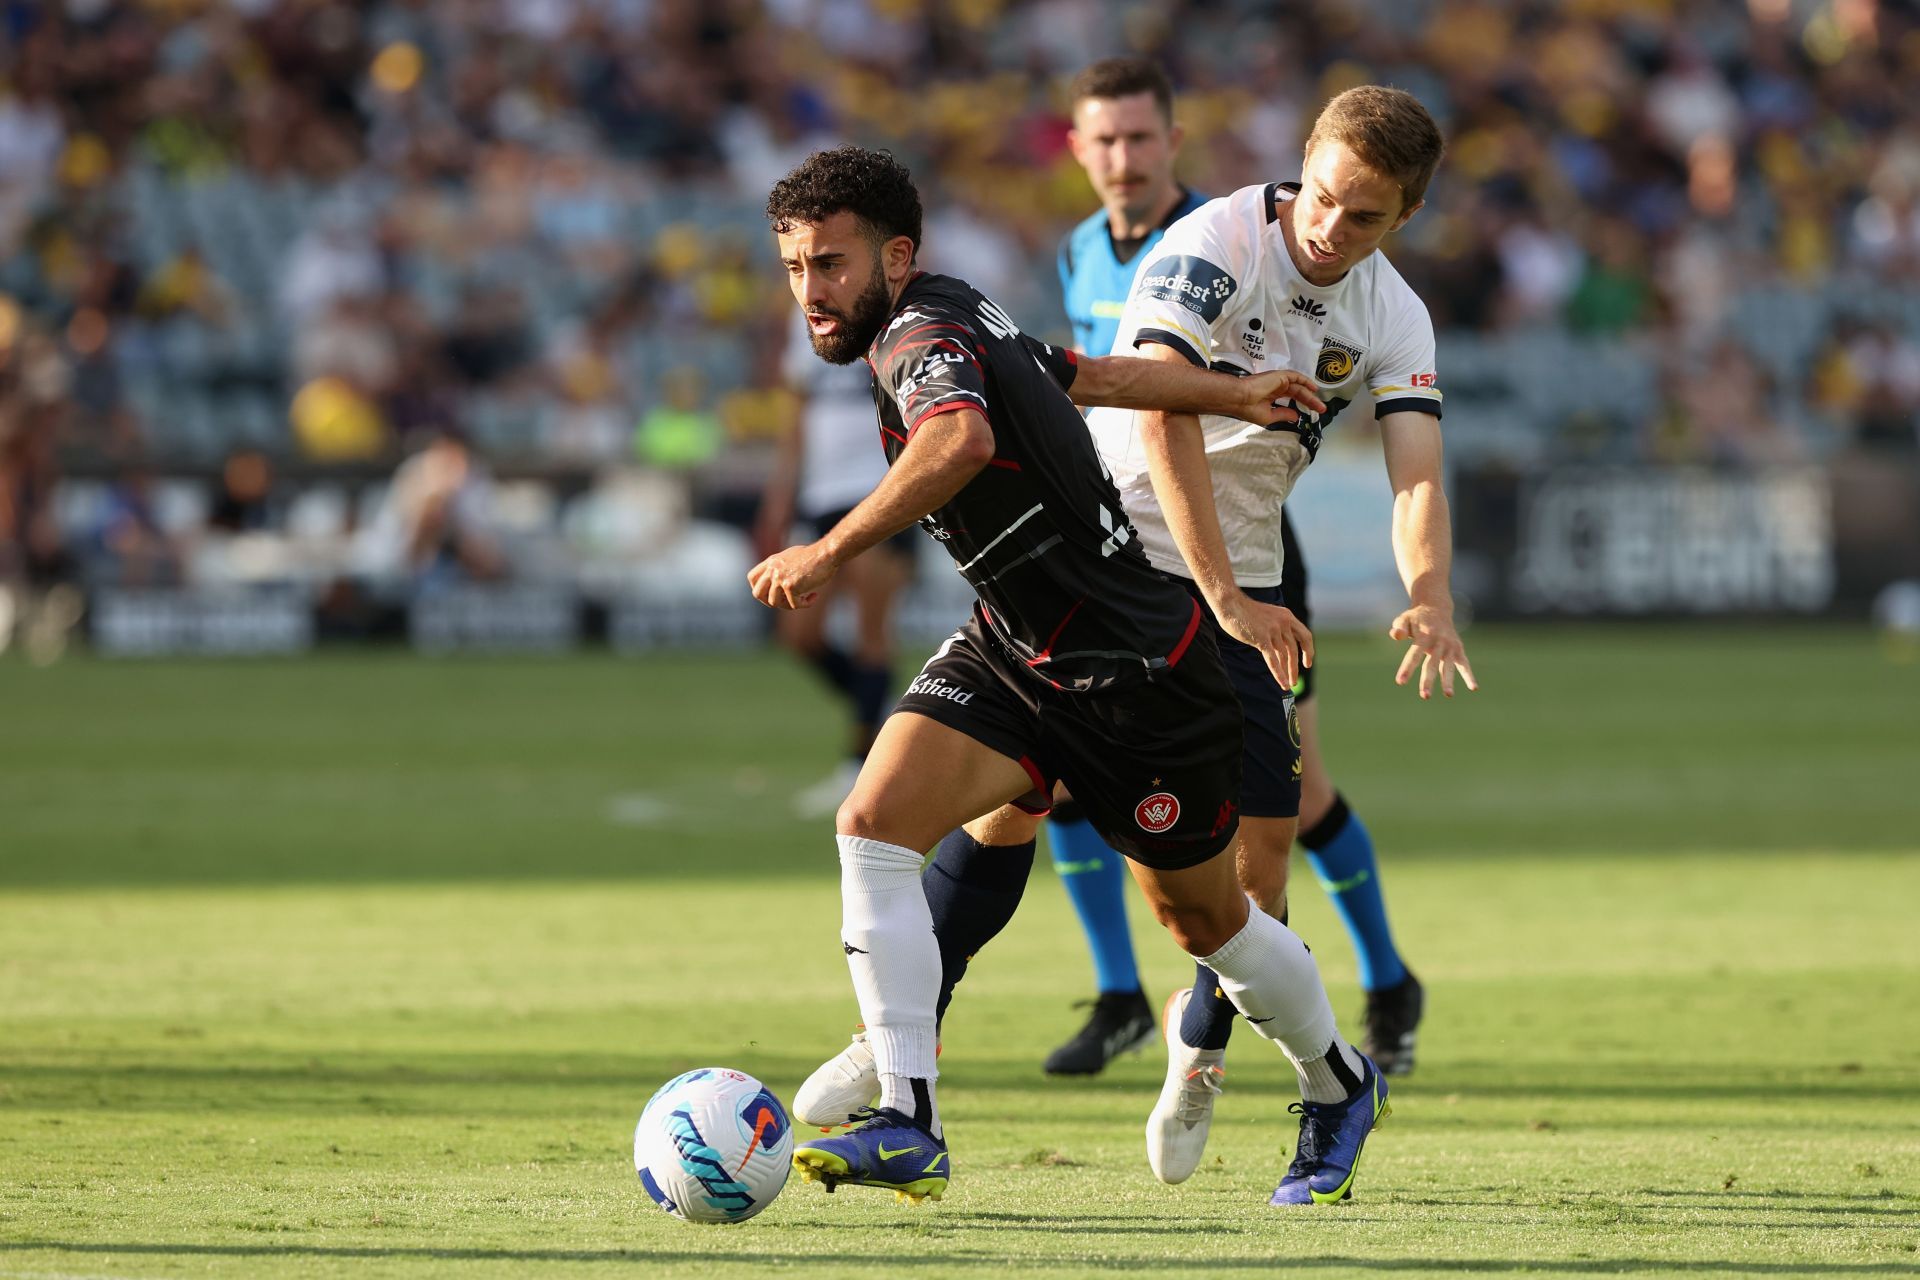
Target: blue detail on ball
{"type": "Point", "coordinates": [660, 1197]}
{"type": "Point", "coordinates": [763, 1115]}
{"type": "Point", "coordinates": [703, 1164]}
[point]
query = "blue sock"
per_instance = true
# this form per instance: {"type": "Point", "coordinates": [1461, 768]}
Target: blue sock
{"type": "Point", "coordinates": [1341, 854]}
{"type": "Point", "coordinates": [972, 892]}
{"type": "Point", "coordinates": [1095, 880]}
{"type": "Point", "coordinates": [1208, 1021]}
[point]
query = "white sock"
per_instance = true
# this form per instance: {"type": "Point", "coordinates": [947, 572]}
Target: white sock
{"type": "Point", "coordinates": [1270, 976]}
{"type": "Point", "coordinates": [895, 961]}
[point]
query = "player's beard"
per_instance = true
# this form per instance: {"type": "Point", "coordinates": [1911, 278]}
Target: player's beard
{"type": "Point", "coordinates": [858, 327]}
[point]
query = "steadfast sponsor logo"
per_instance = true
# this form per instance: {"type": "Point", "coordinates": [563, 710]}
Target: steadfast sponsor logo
{"type": "Point", "coordinates": [1193, 283]}
{"type": "Point", "coordinates": [936, 687]}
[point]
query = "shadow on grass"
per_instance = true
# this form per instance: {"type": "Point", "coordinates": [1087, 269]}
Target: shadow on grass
{"type": "Point", "coordinates": [265, 1085]}
{"type": "Point", "coordinates": [1589, 1266]}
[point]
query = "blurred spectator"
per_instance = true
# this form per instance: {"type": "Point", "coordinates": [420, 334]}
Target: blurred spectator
{"type": "Point", "coordinates": [243, 502]}
{"type": "Point", "coordinates": [37, 596]}
{"type": "Point", "coordinates": [679, 432]}
{"type": "Point", "coordinates": [1720, 410]}
{"type": "Point", "coordinates": [131, 546]}
{"type": "Point", "coordinates": [389, 216]}
{"type": "Point", "coordinates": [1867, 385]}
{"type": "Point", "coordinates": [437, 526]}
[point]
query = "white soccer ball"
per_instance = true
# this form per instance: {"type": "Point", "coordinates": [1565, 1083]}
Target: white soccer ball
{"type": "Point", "coordinates": [713, 1145]}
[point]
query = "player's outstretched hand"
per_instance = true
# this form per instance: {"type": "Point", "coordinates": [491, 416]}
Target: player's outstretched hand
{"type": "Point", "coordinates": [1282, 639]}
{"type": "Point", "coordinates": [1435, 648]}
{"type": "Point", "coordinates": [1260, 391]}
{"type": "Point", "coordinates": [791, 579]}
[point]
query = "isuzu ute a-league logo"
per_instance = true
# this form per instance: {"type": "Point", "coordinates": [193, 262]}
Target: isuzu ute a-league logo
{"type": "Point", "coordinates": [1157, 812]}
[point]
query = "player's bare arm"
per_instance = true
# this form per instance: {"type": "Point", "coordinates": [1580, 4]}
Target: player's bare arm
{"type": "Point", "coordinates": [1183, 485]}
{"type": "Point", "coordinates": [1423, 550]}
{"type": "Point", "coordinates": [1131, 382]}
{"type": "Point", "coordinates": [946, 452]}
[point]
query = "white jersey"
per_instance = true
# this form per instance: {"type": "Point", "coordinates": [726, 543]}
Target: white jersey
{"type": "Point", "coordinates": [1221, 289]}
{"type": "Point", "coordinates": [840, 459]}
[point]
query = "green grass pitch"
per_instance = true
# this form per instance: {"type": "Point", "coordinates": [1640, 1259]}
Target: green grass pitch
{"type": "Point", "coordinates": [363, 966]}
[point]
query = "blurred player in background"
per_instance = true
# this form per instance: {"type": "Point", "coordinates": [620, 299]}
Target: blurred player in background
{"type": "Point", "coordinates": [1274, 276]}
{"type": "Point", "coordinates": [1125, 138]}
{"type": "Point", "coordinates": [826, 464]}
{"type": "Point", "coordinates": [1081, 663]}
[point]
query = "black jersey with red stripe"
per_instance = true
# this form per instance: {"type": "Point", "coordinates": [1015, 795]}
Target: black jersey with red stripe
{"type": "Point", "coordinates": [1039, 533]}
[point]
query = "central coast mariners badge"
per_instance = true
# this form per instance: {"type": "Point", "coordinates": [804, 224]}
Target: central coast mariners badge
{"type": "Point", "coordinates": [1336, 362]}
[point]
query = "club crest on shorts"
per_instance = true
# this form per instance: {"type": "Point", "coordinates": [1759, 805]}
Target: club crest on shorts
{"type": "Point", "coordinates": [1157, 812]}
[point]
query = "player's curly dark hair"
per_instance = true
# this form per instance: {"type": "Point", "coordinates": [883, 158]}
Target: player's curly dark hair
{"type": "Point", "coordinates": [872, 185]}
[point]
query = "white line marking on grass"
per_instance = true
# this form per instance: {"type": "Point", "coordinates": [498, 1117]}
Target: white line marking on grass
{"type": "Point", "coordinates": [638, 809]}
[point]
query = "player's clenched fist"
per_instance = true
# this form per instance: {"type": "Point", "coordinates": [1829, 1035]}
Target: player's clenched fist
{"type": "Point", "coordinates": [791, 579]}
{"type": "Point", "coordinates": [1435, 648]}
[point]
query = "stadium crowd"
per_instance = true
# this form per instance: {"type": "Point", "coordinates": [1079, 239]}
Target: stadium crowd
{"type": "Point", "coordinates": [323, 234]}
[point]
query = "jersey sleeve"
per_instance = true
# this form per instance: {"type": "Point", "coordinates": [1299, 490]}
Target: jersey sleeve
{"type": "Point", "coordinates": [1188, 288]}
{"type": "Point", "coordinates": [1402, 375]}
{"type": "Point", "coordinates": [1058, 363]}
{"type": "Point", "coordinates": [929, 363]}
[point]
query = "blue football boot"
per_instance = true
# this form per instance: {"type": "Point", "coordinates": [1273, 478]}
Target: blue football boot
{"type": "Point", "coordinates": [885, 1148]}
{"type": "Point", "coordinates": [1332, 1135]}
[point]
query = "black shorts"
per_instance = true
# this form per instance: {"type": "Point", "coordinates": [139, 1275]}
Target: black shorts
{"type": "Point", "coordinates": [1270, 771]}
{"type": "Point", "coordinates": [1293, 594]}
{"type": "Point", "coordinates": [905, 543]}
{"type": "Point", "coordinates": [1154, 763]}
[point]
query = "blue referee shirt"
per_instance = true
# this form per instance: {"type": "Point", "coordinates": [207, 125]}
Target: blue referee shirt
{"type": "Point", "coordinates": [1094, 281]}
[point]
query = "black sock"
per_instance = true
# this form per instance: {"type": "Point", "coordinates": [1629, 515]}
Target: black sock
{"type": "Point", "coordinates": [923, 1113]}
{"type": "Point", "coordinates": [869, 686]}
{"type": "Point", "coordinates": [972, 890]}
{"type": "Point", "coordinates": [836, 668]}
{"type": "Point", "coordinates": [1337, 1063]}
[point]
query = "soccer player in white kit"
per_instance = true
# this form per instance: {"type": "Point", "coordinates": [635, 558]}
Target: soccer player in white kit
{"type": "Point", "coordinates": [826, 465]}
{"type": "Point", "coordinates": [1284, 276]}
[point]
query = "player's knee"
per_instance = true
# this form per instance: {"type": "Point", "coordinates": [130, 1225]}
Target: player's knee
{"type": "Point", "coordinates": [859, 815]}
{"type": "Point", "coordinates": [1200, 929]}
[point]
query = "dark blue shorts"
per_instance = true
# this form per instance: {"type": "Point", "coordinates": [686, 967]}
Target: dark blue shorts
{"type": "Point", "coordinates": [1293, 593]}
{"type": "Point", "coordinates": [1270, 768]}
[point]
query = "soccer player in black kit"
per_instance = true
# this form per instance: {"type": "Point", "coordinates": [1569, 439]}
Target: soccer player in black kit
{"type": "Point", "coordinates": [1081, 663]}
